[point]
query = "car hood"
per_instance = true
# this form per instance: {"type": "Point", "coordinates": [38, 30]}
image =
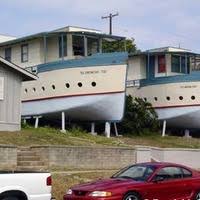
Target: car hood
{"type": "Point", "coordinates": [105, 184]}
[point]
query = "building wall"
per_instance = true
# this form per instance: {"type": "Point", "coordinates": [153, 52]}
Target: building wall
{"type": "Point", "coordinates": [136, 68]}
{"type": "Point", "coordinates": [10, 106]}
{"type": "Point", "coordinates": [34, 53]}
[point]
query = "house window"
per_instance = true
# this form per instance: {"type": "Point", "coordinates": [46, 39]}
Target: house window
{"type": "Point", "coordinates": [180, 64]}
{"type": "Point", "coordinates": [161, 64]}
{"type": "Point", "coordinates": [78, 45]}
{"type": "Point", "coordinates": [62, 42]}
{"type": "Point", "coordinates": [8, 53]}
{"type": "Point", "coordinates": [24, 53]}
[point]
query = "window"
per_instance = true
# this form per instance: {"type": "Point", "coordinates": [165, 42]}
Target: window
{"type": "Point", "coordinates": [92, 46]}
{"type": "Point", "coordinates": [53, 87]}
{"type": "Point", "coordinates": [8, 53]}
{"type": "Point", "coordinates": [78, 45]}
{"type": "Point", "coordinates": [67, 85]}
{"type": "Point", "coordinates": [186, 173]}
{"type": "Point", "coordinates": [181, 98]}
{"type": "Point", "coordinates": [156, 98]}
{"type": "Point", "coordinates": [193, 97]}
{"type": "Point", "coordinates": [136, 172]}
{"type": "Point", "coordinates": [93, 84]}
{"type": "Point", "coordinates": [80, 84]}
{"type": "Point", "coordinates": [43, 88]}
{"type": "Point", "coordinates": [62, 42]}
{"type": "Point", "coordinates": [168, 173]}
{"type": "Point", "coordinates": [168, 98]}
{"type": "Point", "coordinates": [180, 64]}
{"type": "Point", "coordinates": [161, 64]}
{"type": "Point", "coordinates": [24, 53]}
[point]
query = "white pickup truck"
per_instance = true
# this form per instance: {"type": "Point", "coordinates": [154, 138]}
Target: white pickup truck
{"type": "Point", "coordinates": [25, 186]}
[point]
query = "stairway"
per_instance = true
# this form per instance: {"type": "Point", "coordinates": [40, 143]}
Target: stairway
{"type": "Point", "coordinates": [29, 160]}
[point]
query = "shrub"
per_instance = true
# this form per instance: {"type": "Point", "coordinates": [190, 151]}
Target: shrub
{"type": "Point", "coordinates": [139, 118]}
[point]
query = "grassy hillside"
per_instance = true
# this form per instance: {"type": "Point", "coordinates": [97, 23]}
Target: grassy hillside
{"type": "Point", "coordinates": [76, 137]}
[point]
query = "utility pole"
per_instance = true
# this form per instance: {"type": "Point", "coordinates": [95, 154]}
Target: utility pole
{"type": "Point", "coordinates": [110, 16]}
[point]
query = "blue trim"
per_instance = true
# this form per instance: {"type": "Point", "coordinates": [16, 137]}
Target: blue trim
{"type": "Point", "coordinates": [193, 77]}
{"type": "Point", "coordinates": [99, 59]}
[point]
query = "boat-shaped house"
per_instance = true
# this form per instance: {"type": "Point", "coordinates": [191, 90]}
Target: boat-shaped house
{"type": "Point", "coordinates": [76, 79]}
{"type": "Point", "coordinates": [168, 78]}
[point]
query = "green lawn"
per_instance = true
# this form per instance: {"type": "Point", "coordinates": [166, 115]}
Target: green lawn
{"type": "Point", "coordinates": [75, 137]}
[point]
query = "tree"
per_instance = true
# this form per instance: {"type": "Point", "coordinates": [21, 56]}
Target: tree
{"type": "Point", "coordinates": [119, 46]}
{"type": "Point", "coordinates": [139, 117]}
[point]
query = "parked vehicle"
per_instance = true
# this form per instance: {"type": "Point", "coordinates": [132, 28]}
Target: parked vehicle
{"type": "Point", "coordinates": [161, 181]}
{"type": "Point", "coordinates": [25, 186]}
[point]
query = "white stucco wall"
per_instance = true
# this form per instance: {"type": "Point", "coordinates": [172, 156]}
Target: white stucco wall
{"type": "Point", "coordinates": [136, 68]}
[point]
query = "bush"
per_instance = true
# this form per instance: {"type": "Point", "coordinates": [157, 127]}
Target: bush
{"type": "Point", "coordinates": [139, 118]}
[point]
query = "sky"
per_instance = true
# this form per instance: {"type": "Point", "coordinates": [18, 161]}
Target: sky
{"type": "Point", "coordinates": [152, 23]}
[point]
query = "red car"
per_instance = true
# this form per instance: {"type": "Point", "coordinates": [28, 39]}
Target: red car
{"type": "Point", "coordinates": [145, 181]}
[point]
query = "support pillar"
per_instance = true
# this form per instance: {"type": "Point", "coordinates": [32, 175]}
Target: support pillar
{"type": "Point", "coordinates": [85, 46]}
{"type": "Point", "coordinates": [93, 129]}
{"type": "Point", "coordinates": [63, 130]}
{"type": "Point", "coordinates": [45, 48]}
{"type": "Point", "coordinates": [107, 129]}
{"type": "Point", "coordinates": [187, 133]}
{"type": "Point", "coordinates": [37, 120]}
{"type": "Point", "coordinates": [116, 131]}
{"type": "Point", "coordinates": [164, 128]}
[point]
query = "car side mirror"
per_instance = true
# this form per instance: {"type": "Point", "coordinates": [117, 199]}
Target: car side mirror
{"type": "Point", "coordinates": [158, 179]}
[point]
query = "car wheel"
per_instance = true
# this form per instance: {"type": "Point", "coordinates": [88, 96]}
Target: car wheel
{"type": "Point", "coordinates": [131, 196]}
{"type": "Point", "coordinates": [198, 196]}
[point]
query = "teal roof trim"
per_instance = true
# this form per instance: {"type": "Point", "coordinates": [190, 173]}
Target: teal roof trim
{"type": "Point", "coordinates": [94, 60]}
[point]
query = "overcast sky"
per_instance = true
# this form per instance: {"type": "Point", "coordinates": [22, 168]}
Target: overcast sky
{"type": "Point", "coordinates": [153, 23]}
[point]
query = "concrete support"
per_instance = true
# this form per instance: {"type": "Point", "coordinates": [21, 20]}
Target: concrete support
{"type": "Point", "coordinates": [93, 129]}
{"type": "Point", "coordinates": [37, 120]}
{"type": "Point", "coordinates": [107, 129]}
{"type": "Point", "coordinates": [164, 128]}
{"type": "Point", "coordinates": [116, 131]}
{"type": "Point", "coordinates": [187, 133]}
{"type": "Point", "coordinates": [63, 130]}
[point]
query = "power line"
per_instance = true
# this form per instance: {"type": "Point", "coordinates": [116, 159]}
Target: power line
{"type": "Point", "coordinates": [110, 17]}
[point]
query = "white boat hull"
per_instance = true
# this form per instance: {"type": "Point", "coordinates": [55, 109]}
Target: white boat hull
{"type": "Point", "coordinates": [182, 117]}
{"type": "Point", "coordinates": [90, 107]}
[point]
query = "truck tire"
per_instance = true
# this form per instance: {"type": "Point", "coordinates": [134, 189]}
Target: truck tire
{"type": "Point", "coordinates": [10, 198]}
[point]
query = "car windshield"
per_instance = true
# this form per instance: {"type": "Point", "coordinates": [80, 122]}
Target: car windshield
{"type": "Point", "coordinates": [136, 172]}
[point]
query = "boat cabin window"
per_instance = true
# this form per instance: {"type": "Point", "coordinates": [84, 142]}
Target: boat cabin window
{"type": "Point", "coordinates": [195, 63]}
{"type": "Point", "coordinates": [92, 46]}
{"type": "Point", "coordinates": [180, 64]}
{"type": "Point", "coordinates": [161, 64]}
{"type": "Point", "coordinates": [78, 45]}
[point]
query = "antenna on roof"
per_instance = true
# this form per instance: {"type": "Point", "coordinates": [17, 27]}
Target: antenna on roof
{"type": "Point", "coordinates": [110, 16]}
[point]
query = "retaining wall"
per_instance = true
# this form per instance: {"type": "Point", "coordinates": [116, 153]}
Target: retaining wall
{"type": "Point", "coordinates": [8, 157]}
{"type": "Point", "coordinates": [87, 157]}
